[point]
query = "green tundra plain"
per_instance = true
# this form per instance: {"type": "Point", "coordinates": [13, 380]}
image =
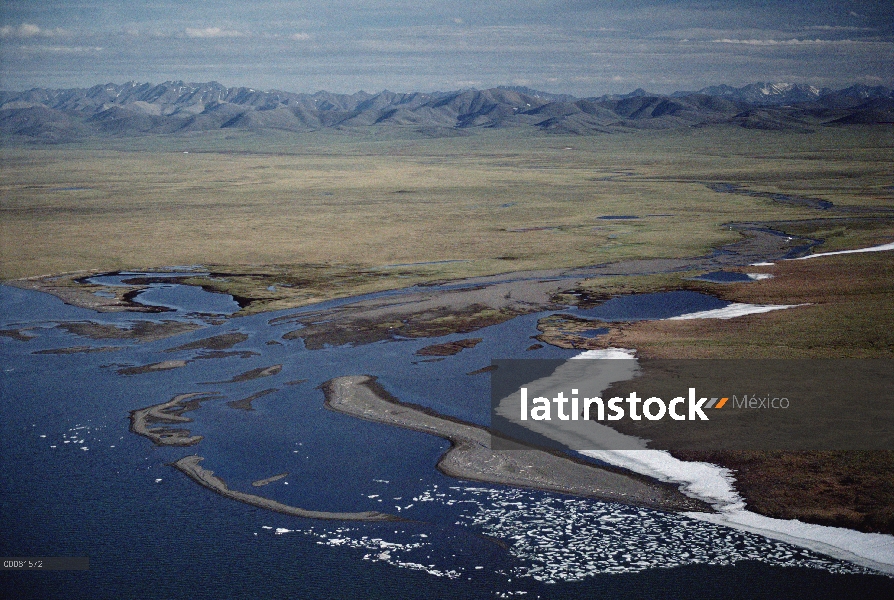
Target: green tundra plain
{"type": "Point", "coordinates": [500, 200]}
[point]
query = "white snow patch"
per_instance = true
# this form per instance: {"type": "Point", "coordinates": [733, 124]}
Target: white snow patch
{"type": "Point", "coordinates": [736, 309]}
{"type": "Point", "coordinates": [759, 276]}
{"type": "Point", "coordinates": [873, 550]}
{"type": "Point", "coordinates": [762, 264]}
{"type": "Point", "coordinates": [701, 480]}
{"type": "Point", "coordinates": [881, 248]}
{"type": "Point", "coordinates": [607, 353]}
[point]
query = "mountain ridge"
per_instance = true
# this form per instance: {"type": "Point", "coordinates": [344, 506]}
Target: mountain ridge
{"type": "Point", "coordinates": [175, 106]}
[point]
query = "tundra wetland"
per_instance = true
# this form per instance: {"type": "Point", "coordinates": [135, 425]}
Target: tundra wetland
{"type": "Point", "coordinates": [283, 220]}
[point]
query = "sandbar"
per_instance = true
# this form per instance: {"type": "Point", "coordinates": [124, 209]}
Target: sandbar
{"type": "Point", "coordinates": [189, 465]}
{"type": "Point", "coordinates": [470, 456]}
{"type": "Point", "coordinates": [271, 479]}
{"type": "Point", "coordinates": [170, 412]}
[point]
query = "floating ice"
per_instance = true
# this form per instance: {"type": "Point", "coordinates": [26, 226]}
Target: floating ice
{"type": "Point", "coordinates": [558, 538]}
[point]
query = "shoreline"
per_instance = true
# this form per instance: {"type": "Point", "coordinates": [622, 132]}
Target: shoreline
{"type": "Point", "coordinates": [651, 337]}
{"type": "Point", "coordinates": [470, 456]}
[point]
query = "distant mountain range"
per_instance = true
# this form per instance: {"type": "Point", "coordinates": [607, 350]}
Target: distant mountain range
{"type": "Point", "coordinates": [174, 106]}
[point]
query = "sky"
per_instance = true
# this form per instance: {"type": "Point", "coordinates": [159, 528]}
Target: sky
{"type": "Point", "coordinates": [585, 48]}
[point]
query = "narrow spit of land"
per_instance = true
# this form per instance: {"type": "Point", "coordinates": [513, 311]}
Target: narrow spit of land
{"type": "Point", "coordinates": [470, 456]}
{"type": "Point", "coordinates": [189, 465]}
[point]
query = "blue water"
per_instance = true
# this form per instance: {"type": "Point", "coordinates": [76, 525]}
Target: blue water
{"type": "Point", "coordinates": [174, 539]}
{"type": "Point", "coordinates": [592, 333]}
{"type": "Point", "coordinates": [187, 298]}
{"type": "Point", "coordinates": [660, 305]}
{"type": "Point", "coordinates": [723, 277]}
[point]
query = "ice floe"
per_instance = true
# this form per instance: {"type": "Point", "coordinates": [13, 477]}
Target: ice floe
{"type": "Point", "coordinates": [379, 550]}
{"type": "Point", "coordinates": [555, 538]}
{"type": "Point", "coordinates": [568, 539]}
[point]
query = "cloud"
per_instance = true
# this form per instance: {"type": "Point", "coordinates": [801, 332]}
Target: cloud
{"type": "Point", "coordinates": [37, 50]}
{"type": "Point", "coordinates": [839, 28]}
{"type": "Point", "coordinates": [29, 30]}
{"type": "Point", "coordinates": [212, 32]}
{"type": "Point", "coordinates": [793, 42]}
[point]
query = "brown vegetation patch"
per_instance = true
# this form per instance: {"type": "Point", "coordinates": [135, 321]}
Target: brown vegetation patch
{"type": "Point", "coordinates": [448, 348]}
{"type": "Point", "coordinates": [73, 288]}
{"type": "Point", "coordinates": [427, 323]}
{"type": "Point", "coordinates": [17, 334]}
{"type": "Point", "coordinates": [78, 350]}
{"type": "Point", "coordinates": [224, 341]}
{"type": "Point", "coordinates": [841, 489]}
{"type": "Point", "coordinates": [566, 331]}
{"type": "Point", "coordinates": [252, 374]}
{"type": "Point", "coordinates": [227, 354]}
{"type": "Point", "coordinates": [245, 403]}
{"type": "Point", "coordinates": [143, 331]}
{"type": "Point", "coordinates": [165, 365]}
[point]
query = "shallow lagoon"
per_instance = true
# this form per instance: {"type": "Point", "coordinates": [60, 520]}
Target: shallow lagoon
{"type": "Point", "coordinates": [146, 526]}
